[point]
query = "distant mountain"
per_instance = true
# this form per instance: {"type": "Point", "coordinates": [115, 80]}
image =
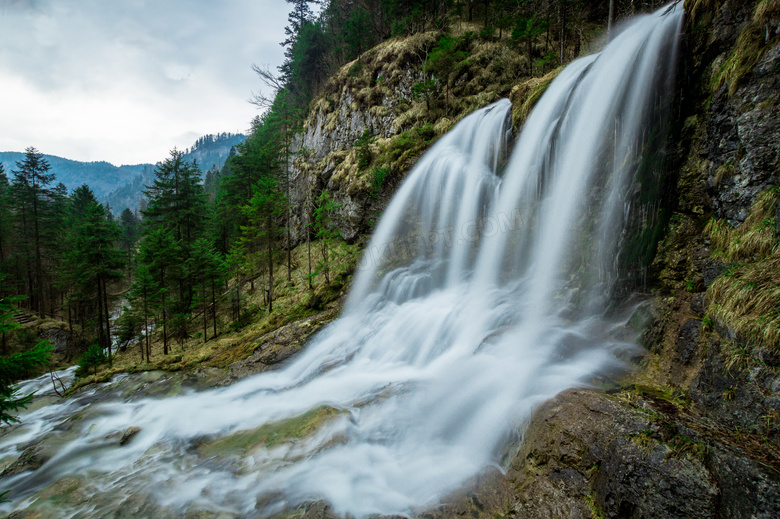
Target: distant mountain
{"type": "Point", "coordinates": [121, 186]}
{"type": "Point", "coordinates": [102, 177]}
{"type": "Point", "coordinates": [209, 151]}
{"type": "Point", "coordinates": [212, 150]}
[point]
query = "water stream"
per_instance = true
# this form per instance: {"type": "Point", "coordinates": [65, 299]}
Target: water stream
{"type": "Point", "coordinates": [483, 292]}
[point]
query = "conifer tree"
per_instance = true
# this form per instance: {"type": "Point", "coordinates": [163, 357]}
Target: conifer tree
{"type": "Point", "coordinates": [129, 227]}
{"type": "Point", "coordinates": [6, 222]}
{"type": "Point", "coordinates": [204, 270]}
{"type": "Point", "coordinates": [31, 180]}
{"type": "Point", "coordinates": [324, 219]}
{"type": "Point", "coordinates": [261, 212]}
{"type": "Point", "coordinates": [97, 263]}
{"type": "Point", "coordinates": [160, 254]}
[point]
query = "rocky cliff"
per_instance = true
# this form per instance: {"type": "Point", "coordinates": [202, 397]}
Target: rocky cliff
{"type": "Point", "coordinates": [366, 130]}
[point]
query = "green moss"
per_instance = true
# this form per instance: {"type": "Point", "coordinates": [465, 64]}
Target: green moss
{"type": "Point", "coordinates": [595, 509]}
{"type": "Point", "coordinates": [643, 242]}
{"type": "Point", "coordinates": [269, 435]}
{"type": "Point", "coordinates": [525, 96]}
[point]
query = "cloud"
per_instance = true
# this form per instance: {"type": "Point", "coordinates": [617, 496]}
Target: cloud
{"type": "Point", "coordinates": [127, 81]}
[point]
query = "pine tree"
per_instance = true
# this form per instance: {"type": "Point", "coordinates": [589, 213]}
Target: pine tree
{"type": "Point", "coordinates": [261, 212]}
{"type": "Point", "coordinates": [204, 269]}
{"type": "Point", "coordinates": [129, 227]}
{"type": "Point", "coordinates": [31, 180]}
{"type": "Point", "coordinates": [160, 255]}
{"type": "Point", "coordinates": [176, 203]}
{"type": "Point", "coordinates": [97, 263]}
{"type": "Point", "coordinates": [6, 222]}
{"type": "Point", "coordinates": [324, 220]}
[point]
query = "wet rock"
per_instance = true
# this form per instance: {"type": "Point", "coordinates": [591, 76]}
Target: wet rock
{"type": "Point", "coordinates": [58, 337]}
{"type": "Point", "coordinates": [566, 441]}
{"type": "Point", "coordinates": [129, 434]}
{"type": "Point", "coordinates": [588, 454]}
{"type": "Point", "coordinates": [769, 357]}
{"type": "Point", "coordinates": [711, 269]}
{"type": "Point", "coordinates": [697, 305]}
{"type": "Point", "coordinates": [687, 338]}
{"type": "Point", "coordinates": [279, 345]}
{"type": "Point", "coordinates": [747, 489]}
{"type": "Point", "coordinates": [737, 391]}
{"type": "Point", "coordinates": [32, 458]}
{"type": "Point", "coordinates": [639, 478]}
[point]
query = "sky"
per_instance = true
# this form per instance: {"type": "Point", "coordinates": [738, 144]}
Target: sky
{"type": "Point", "coordinates": [126, 81]}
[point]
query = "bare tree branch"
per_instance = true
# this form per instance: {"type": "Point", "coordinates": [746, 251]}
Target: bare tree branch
{"type": "Point", "coordinates": [271, 81]}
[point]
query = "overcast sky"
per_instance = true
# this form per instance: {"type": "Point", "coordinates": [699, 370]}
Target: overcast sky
{"type": "Point", "coordinates": [127, 80]}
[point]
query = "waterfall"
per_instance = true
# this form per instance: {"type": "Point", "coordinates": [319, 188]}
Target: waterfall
{"type": "Point", "coordinates": [482, 293]}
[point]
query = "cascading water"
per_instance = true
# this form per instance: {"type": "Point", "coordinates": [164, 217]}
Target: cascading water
{"type": "Point", "coordinates": [479, 297]}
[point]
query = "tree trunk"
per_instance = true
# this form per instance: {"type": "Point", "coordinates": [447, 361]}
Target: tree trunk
{"type": "Point", "coordinates": [214, 306]}
{"type": "Point", "coordinates": [38, 264]}
{"type": "Point", "coordinates": [562, 23]}
{"type": "Point", "coordinates": [164, 316]}
{"type": "Point", "coordinates": [205, 322]}
{"type": "Point", "coordinates": [287, 187]}
{"type": "Point", "coordinates": [611, 20]}
{"type": "Point", "coordinates": [101, 341]}
{"type": "Point", "coordinates": [270, 268]}
{"type": "Point", "coordinates": [146, 328]}
{"type": "Point", "coordinates": [326, 267]}
{"type": "Point", "coordinates": [108, 321]}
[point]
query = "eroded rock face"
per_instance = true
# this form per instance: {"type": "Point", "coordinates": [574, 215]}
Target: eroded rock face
{"type": "Point", "coordinates": [743, 145]}
{"type": "Point", "coordinates": [637, 456]}
{"type": "Point", "coordinates": [747, 399]}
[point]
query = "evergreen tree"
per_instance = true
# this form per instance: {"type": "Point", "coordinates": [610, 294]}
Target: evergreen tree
{"type": "Point", "coordinates": [97, 263]}
{"type": "Point", "coordinates": [160, 255]}
{"type": "Point", "coordinates": [261, 212]}
{"type": "Point", "coordinates": [324, 222]}
{"type": "Point", "coordinates": [31, 180]}
{"type": "Point", "coordinates": [6, 223]}
{"type": "Point", "coordinates": [142, 296]}
{"type": "Point", "coordinates": [129, 228]}
{"type": "Point", "coordinates": [176, 203]}
{"type": "Point", "coordinates": [204, 269]}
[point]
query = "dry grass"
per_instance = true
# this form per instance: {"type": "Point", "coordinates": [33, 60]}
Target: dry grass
{"type": "Point", "coordinates": [752, 43]}
{"type": "Point", "coordinates": [755, 238]}
{"type": "Point", "coordinates": [525, 95]}
{"type": "Point", "coordinates": [746, 298]}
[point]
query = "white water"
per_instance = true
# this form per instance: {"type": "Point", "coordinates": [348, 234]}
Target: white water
{"type": "Point", "coordinates": [469, 310]}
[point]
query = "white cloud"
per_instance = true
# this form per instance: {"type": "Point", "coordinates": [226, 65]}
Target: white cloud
{"type": "Point", "coordinates": [127, 81]}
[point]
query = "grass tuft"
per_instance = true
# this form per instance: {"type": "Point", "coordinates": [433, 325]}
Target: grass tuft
{"type": "Point", "coordinates": [746, 297]}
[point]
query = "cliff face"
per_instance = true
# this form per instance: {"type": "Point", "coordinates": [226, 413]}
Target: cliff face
{"type": "Point", "coordinates": [373, 121]}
